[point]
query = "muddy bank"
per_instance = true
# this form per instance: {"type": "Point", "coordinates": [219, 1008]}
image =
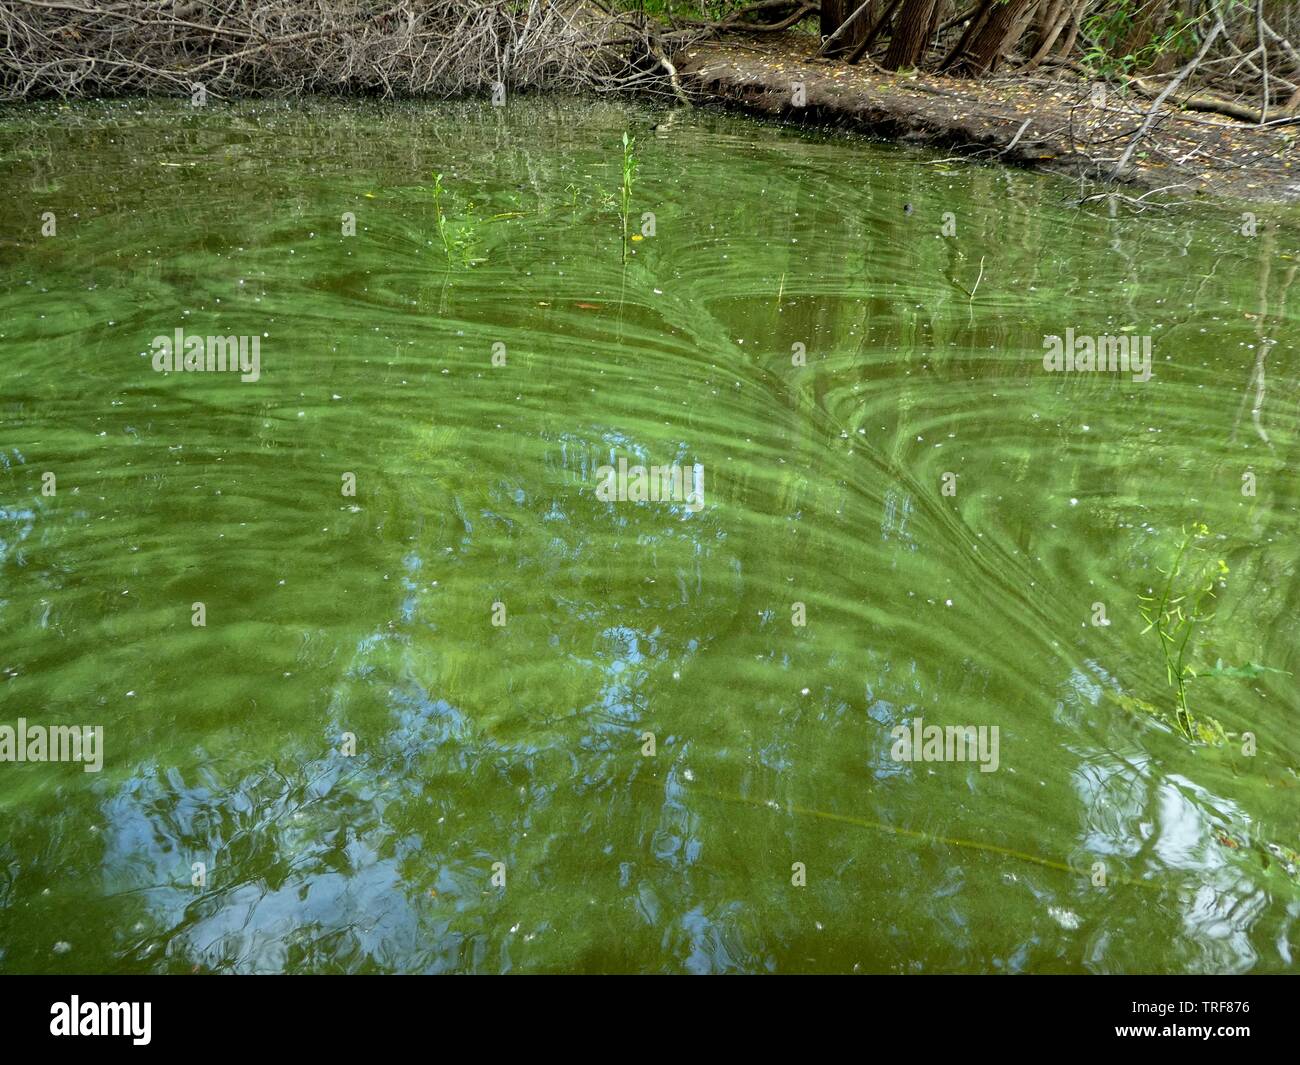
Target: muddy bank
{"type": "Point", "coordinates": [1071, 128]}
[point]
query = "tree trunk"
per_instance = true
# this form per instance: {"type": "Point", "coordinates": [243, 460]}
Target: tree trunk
{"type": "Point", "coordinates": [1017, 31]}
{"type": "Point", "coordinates": [1067, 44]}
{"type": "Point", "coordinates": [943, 7]}
{"type": "Point", "coordinates": [874, 32]}
{"type": "Point", "coordinates": [833, 13]}
{"type": "Point", "coordinates": [836, 11]}
{"type": "Point", "coordinates": [911, 34]}
{"type": "Point", "coordinates": [976, 20]}
{"type": "Point", "coordinates": [996, 34]}
{"type": "Point", "coordinates": [1044, 19]}
{"type": "Point", "coordinates": [1050, 25]}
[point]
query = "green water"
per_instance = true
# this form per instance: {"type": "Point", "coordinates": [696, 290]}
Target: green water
{"type": "Point", "coordinates": [522, 743]}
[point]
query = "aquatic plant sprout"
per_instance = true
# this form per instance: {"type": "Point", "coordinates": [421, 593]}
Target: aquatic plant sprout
{"type": "Point", "coordinates": [1175, 616]}
{"type": "Point", "coordinates": [629, 175]}
{"type": "Point", "coordinates": [1192, 582]}
{"type": "Point", "coordinates": [459, 239]}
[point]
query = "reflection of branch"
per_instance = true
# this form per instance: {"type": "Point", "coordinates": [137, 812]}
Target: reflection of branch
{"type": "Point", "coordinates": [1258, 408]}
{"type": "Point", "coordinates": [970, 292]}
{"type": "Point", "coordinates": [1262, 318]}
{"type": "Point", "coordinates": [1265, 270]}
{"type": "Point", "coordinates": [1136, 202]}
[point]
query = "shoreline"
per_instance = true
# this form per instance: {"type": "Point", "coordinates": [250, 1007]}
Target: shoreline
{"type": "Point", "coordinates": [1055, 129]}
{"type": "Point", "coordinates": [994, 121]}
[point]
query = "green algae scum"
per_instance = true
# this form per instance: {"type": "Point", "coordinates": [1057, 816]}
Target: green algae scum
{"type": "Point", "coordinates": [593, 537]}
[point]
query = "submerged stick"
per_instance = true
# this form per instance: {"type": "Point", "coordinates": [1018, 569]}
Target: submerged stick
{"type": "Point", "coordinates": [929, 837]}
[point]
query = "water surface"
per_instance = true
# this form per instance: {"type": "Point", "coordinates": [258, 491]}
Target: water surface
{"type": "Point", "coordinates": [522, 743]}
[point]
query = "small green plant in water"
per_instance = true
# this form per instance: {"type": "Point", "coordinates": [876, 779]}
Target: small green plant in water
{"type": "Point", "coordinates": [1183, 605]}
{"type": "Point", "coordinates": [1175, 616]}
{"type": "Point", "coordinates": [629, 175]}
{"type": "Point", "coordinates": [459, 239]}
{"type": "Point", "coordinates": [440, 216]}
